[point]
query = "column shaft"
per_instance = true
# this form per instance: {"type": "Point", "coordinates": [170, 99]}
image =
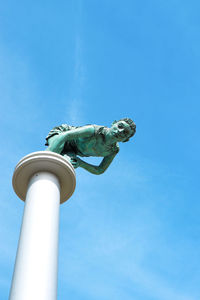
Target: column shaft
{"type": "Point", "coordinates": [35, 273]}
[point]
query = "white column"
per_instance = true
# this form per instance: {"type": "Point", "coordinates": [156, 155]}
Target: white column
{"type": "Point", "coordinates": [35, 273]}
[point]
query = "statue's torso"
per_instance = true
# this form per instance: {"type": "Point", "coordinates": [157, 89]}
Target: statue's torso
{"type": "Point", "coordinates": [93, 146]}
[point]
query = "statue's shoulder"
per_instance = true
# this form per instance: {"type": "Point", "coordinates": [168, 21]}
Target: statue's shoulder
{"type": "Point", "coordinates": [98, 129]}
{"type": "Point", "coordinates": [58, 130]}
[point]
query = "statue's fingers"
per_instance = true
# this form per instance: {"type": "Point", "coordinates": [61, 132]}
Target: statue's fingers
{"type": "Point", "coordinates": [74, 164]}
{"type": "Point", "coordinates": [74, 159]}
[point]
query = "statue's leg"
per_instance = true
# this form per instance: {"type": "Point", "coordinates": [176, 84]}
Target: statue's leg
{"type": "Point", "coordinates": [56, 143]}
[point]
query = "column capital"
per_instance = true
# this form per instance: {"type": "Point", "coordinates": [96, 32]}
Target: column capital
{"type": "Point", "coordinates": [44, 161]}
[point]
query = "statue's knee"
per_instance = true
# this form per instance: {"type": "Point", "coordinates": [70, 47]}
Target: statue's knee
{"type": "Point", "coordinates": [55, 146]}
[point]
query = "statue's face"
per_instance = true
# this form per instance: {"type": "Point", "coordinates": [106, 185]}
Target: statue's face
{"type": "Point", "coordinates": [121, 131]}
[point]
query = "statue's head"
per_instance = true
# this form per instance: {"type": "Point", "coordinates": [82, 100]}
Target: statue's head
{"type": "Point", "coordinates": [123, 129]}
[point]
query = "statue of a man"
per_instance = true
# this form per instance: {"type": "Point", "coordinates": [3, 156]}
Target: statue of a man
{"type": "Point", "coordinates": [90, 140]}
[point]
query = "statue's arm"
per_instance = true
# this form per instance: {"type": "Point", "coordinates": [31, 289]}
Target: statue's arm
{"type": "Point", "coordinates": [97, 170]}
{"type": "Point", "coordinates": [56, 142]}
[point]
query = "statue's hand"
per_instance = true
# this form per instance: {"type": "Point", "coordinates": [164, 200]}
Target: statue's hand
{"type": "Point", "coordinates": [75, 161]}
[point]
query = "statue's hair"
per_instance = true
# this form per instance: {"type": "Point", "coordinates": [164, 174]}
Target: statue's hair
{"type": "Point", "coordinates": [130, 123]}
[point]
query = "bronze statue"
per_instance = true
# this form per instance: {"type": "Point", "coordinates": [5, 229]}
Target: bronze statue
{"type": "Point", "coordinates": [90, 140]}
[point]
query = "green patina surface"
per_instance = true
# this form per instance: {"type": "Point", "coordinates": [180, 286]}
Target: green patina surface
{"type": "Point", "coordinates": [90, 140]}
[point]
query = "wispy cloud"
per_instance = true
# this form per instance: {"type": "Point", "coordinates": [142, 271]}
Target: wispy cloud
{"type": "Point", "coordinates": [75, 106]}
{"type": "Point", "coordinates": [74, 112]}
{"type": "Point", "coordinates": [79, 68]}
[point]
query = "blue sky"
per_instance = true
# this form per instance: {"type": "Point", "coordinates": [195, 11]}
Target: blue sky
{"type": "Point", "coordinates": [133, 232]}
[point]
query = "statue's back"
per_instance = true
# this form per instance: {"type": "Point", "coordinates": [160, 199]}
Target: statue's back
{"type": "Point", "coordinates": [58, 130]}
